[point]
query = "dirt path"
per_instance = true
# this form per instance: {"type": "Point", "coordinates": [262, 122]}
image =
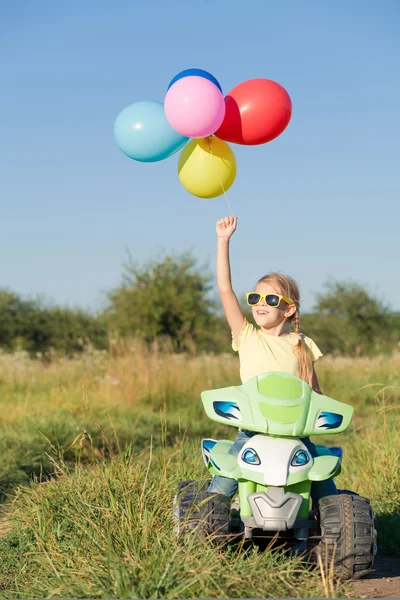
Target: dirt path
{"type": "Point", "coordinates": [382, 582]}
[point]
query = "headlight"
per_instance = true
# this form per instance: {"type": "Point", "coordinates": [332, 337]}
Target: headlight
{"type": "Point", "coordinates": [251, 457]}
{"type": "Point", "coordinates": [300, 459]}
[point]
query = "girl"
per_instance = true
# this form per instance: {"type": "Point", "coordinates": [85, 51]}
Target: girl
{"type": "Point", "coordinates": [275, 304]}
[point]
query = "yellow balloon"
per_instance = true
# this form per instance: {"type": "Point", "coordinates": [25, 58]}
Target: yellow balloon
{"type": "Point", "coordinates": [206, 167]}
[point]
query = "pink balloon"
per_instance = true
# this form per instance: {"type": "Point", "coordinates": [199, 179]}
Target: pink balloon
{"type": "Point", "coordinates": [194, 107]}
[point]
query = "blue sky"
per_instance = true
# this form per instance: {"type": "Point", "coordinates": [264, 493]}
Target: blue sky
{"type": "Point", "coordinates": [320, 202]}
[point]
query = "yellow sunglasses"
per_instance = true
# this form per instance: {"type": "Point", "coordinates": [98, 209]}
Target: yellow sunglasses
{"type": "Point", "coordinates": [253, 298]}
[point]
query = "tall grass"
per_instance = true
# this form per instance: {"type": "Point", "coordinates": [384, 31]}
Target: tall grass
{"type": "Point", "coordinates": [109, 438]}
{"type": "Point", "coordinates": [107, 532]}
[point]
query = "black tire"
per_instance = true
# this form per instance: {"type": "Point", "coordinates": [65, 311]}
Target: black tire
{"type": "Point", "coordinates": [347, 534]}
{"type": "Point", "coordinates": [199, 512]}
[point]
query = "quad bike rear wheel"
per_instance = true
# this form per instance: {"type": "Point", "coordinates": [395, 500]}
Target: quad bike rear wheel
{"type": "Point", "coordinates": [348, 536]}
{"type": "Point", "coordinates": [197, 511]}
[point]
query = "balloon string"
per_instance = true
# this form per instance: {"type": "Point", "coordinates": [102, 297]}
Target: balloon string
{"type": "Point", "coordinates": [219, 179]}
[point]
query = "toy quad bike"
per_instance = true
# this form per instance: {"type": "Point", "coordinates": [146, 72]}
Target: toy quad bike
{"type": "Point", "coordinates": [275, 471]}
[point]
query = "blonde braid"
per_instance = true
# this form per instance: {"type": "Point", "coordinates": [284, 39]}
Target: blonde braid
{"type": "Point", "coordinates": [305, 363]}
{"type": "Point", "coordinates": [297, 322]}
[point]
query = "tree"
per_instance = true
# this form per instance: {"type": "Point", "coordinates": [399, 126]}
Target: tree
{"type": "Point", "coordinates": [347, 319]}
{"type": "Point", "coordinates": [169, 299]}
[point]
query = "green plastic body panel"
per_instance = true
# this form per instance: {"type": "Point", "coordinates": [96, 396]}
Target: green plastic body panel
{"type": "Point", "coordinates": [323, 468]}
{"type": "Point", "coordinates": [222, 463]}
{"type": "Point", "coordinates": [246, 488]}
{"type": "Point", "coordinates": [304, 489]}
{"type": "Point", "coordinates": [279, 404]}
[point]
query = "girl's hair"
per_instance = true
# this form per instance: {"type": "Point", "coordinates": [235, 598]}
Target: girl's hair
{"type": "Point", "coordinates": [288, 287]}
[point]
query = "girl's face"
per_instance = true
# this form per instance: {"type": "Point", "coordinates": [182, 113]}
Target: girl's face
{"type": "Point", "coordinates": [269, 316]}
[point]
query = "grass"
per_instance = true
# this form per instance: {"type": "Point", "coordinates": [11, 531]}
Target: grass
{"type": "Point", "coordinates": [108, 438]}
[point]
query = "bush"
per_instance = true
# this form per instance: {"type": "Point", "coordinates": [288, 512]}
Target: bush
{"type": "Point", "coordinates": [32, 326]}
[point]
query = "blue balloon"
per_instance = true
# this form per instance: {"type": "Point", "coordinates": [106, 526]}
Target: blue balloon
{"type": "Point", "coordinates": [142, 132]}
{"type": "Point", "coordinates": [197, 73]}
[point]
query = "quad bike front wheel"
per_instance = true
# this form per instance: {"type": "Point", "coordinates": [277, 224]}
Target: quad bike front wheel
{"type": "Point", "coordinates": [348, 536]}
{"type": "Point", "coordinates": [197, 511]}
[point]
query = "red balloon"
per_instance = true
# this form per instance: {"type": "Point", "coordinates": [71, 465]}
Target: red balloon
{"type": "Point", "coordinates": [257, 111]}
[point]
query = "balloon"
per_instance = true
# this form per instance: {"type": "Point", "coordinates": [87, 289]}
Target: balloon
{"type": "Point", "coordinates": [257, 111]}
{"type": "Point", "coordinates": [143, 133]}
{"type": "Point", "coordinates": [194, 107]}
{"type": "Point", "coordinates": [204, 165]}
{"type": "Point", "coordinates": [198, 73]}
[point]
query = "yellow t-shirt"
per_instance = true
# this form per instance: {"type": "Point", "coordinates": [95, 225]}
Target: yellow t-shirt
{"type": "Point", "coordinates": [260, 352]}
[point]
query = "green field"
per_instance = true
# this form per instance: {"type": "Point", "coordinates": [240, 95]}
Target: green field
{"type": "Point", "coordinates": [107, 438]}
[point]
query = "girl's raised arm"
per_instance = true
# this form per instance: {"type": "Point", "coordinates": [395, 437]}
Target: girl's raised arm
{"type": "Point", "coordinates": [225, 228]}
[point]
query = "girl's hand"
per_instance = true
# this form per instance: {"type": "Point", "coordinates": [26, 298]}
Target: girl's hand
{"type": "Point", "coordinates": [226, 227]}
